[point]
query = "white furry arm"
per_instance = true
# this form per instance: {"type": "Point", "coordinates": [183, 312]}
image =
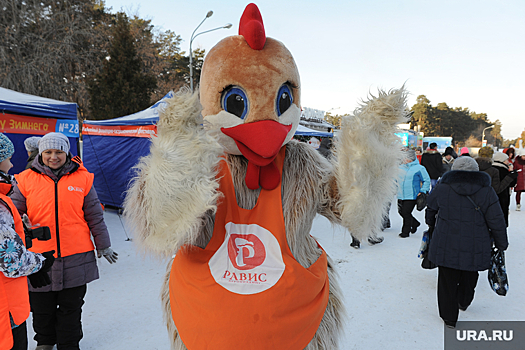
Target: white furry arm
{"type": "Point", "coordinates": [368, 156]}
{"type": "Point", "coordinates": [175, 185]}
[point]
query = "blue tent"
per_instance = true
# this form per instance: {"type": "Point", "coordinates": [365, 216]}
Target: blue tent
{"type": "Point", "coordinates": [111, 148]}
{"type": "Point", "coordinates": [24, 115]}
{"type": "Point", "coordinates": [304, 131]}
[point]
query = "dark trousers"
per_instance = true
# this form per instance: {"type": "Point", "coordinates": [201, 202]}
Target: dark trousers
{"type": "Point", "coordinates": [405, 208]}
{"type": "Point", "coordinates": [455, 287]}
{"type": "Point", "coordinates": [56, 317]}
{"type": "Point", "coordinates": [20, 337]}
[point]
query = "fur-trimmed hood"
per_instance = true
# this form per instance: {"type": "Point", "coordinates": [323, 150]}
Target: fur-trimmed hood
{"type": "Point", "coordinates": [466, 183]}
{"type": "Point", "coordinates": [431, 151]}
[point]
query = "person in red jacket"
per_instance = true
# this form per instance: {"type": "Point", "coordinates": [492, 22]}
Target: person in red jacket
{"type": "Point", "coordinates": [16, 262]}
{"type": "Point", "coordinates": [58, 192]}
{"type": "Point", "coordinates": [519, 164]}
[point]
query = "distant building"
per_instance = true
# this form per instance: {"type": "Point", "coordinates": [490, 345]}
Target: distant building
{"type": "Point", "coordinates": [314, 119]}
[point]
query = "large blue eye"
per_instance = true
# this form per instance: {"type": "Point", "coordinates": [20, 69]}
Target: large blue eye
{"type": "Point", "coordinates": [234, 101]}
{"type": "Point", "coordinates": [284, 99]}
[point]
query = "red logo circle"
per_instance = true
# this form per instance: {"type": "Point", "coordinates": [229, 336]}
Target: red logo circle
{"type": "Point", "coordinates": [246, 251]}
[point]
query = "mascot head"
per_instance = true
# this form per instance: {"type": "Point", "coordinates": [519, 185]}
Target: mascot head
{"type": "Point", "coordinates": [250, 94]}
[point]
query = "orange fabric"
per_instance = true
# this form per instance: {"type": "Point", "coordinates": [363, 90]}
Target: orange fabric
{"type": "Point", "coordinates": [6, 335]}
{"type": "Point", "coordinates": [223, 309]}
{"type": "Point", "coordinates": [14, 295]}
{"type": "Point", "coordinates": [41, 194]}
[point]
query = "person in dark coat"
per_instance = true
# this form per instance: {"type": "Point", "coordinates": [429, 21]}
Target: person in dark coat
{"type": "Point", "coordinates": [450, 150]}
{"type": "Point", "coordinates": [505, 171]}
{"type": "Point", "coordinates": [461, 242]}
{"type": "Point", "coordinates": [31, 145]}
{"type": "Point", "coordinates": [433, 162]}
{"type": "Point", "coordinates": [448, 159]}
{"type": "Point", "coordinates": [500, 184]}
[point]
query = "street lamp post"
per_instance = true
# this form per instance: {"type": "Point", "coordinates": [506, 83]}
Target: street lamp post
{"type": "Point", "coordinates": [483, 135]}
{"type": "Point", "coordinates": [193, 36]}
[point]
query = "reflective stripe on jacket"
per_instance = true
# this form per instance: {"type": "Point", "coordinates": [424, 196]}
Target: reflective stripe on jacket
{"type": "Point", "coordinates": [58, 205]}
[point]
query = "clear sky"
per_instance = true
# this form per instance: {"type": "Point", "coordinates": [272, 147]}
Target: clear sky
{"type": "Point", "coordinates": [467, 53]}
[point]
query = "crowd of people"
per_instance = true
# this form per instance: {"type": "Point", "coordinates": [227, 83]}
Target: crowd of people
{"type": "Point", "coordinates": [467, 213]}
{"type": "Point", "coordinates": [60, 207]}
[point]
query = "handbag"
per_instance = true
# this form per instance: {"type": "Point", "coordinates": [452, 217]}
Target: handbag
{"type": "Point", "coordinates": [498, 273]}
{"type": "Point", "coordinates": [421, 201]}
{"type": "Point", "coordinates": [423, 250]}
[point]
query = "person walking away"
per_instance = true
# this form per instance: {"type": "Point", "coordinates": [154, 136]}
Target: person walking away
{"type": "Point", "coordinates": [433, 163]}
{"type": "Point", "coordinates": [519, 164]}
{"type": "Point", "coordinates": [414, 181]}
{"type": "Point", "coordinates": [506, 173]}
{"type": "Point", "coordinates": [31, 145]}
{"type": "Point", "coordinates": [448, 159]}
{"type": "Point", "coordinates": [500, 185]}
{"type": "Point", "coordinates": [462, 235]}
{"type": "Point", "coordinates": [58, 192]}
{"type": "Point", "coordinates": [15, 262]}
{"type": "Point", "coordinates": [464, 152]}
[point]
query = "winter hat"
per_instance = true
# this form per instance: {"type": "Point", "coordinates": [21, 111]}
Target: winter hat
{"type": "Point", "coordinates": [448, 151]}
{"type": "Point", "coordinates": [53, 140]}
{"type": "Point", "coordinates": [500, 157]}
{"type": "Point", "coordinates": [465, 164]}
{"type": "Point", "coordinates": [6, 148]}
{"type": "Point", "coordinates": [486, 152]}
{"type": "Point", "coordinates": [463, 151]}
{"type": "Point", "coordinates": [31, 143]}
{"type": "Point", "coordinates": [410, 155]}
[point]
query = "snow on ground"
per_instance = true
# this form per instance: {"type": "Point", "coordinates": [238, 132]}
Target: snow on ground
{"type": "Point", "coordinates": [390, 300]}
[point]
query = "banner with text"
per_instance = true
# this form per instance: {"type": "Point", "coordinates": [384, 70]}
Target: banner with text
{"type": "Point", "coordinates": [120, 130]}
{"type": "Point", "coordinates": [21, 124]}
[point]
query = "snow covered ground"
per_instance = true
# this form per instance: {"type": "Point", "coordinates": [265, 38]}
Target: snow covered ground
{"type": "Point", "coordinates": [390, 300]}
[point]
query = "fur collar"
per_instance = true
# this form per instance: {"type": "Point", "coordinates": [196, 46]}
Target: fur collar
{"type": "Point", "coordinates": [473, 177]}
{"type": "Point", "coordinates": [500, 165]}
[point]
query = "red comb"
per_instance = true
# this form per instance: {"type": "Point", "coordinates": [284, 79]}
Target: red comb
{"type": "Point", "coordinates": [251, 27]}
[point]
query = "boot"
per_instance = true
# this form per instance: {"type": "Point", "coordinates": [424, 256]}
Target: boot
{"type": "Point", "coordinates": [355, 243]}
{"type": "Point", "coordinates": [518, 207]}
{"type": "Point", "coordinates": [375, 240]}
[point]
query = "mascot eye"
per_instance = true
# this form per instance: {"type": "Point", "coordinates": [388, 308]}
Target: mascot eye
{"type": "Point", "coordinates": [284, 99]}
{"type": "Point", "coordinates": [234, 101]}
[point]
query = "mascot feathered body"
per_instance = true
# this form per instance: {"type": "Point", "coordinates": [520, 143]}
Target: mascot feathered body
{"type": "Point", "coordinates": [227, 189]}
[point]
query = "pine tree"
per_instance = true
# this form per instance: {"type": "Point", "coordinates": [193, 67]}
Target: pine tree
{"type": "Point", "coordinates": [120, 88]}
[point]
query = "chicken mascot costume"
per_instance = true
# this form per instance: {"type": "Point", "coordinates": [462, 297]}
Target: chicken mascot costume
{"type": "Point", "coordinates": [230, 198]}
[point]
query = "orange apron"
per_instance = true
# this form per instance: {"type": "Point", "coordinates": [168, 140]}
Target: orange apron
{"type": "Point", "coordinates": [245, 289]}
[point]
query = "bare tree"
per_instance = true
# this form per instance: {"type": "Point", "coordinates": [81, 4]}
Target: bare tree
{"type": "Point", "coordinates": [48, 48]}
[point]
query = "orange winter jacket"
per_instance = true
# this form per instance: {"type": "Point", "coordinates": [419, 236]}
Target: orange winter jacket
{"type": "Point", "coordinates": [14, 295]}
{"type": "Point", "coordinates": [58, 205]}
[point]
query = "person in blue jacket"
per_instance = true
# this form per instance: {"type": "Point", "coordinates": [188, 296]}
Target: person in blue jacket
{"type": "Point", "coordinates": [414, 181]}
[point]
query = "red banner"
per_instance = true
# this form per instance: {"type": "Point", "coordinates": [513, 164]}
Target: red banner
{"type": "Point", "coordinates": [120, 130]}
{"type": "Point", "coordinates": [18, 124]}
